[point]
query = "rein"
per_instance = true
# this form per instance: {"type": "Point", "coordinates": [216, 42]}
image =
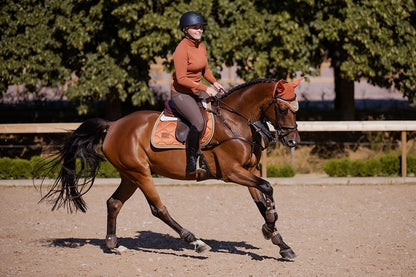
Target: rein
{"type": "Point", "coordinates": [235, 135]}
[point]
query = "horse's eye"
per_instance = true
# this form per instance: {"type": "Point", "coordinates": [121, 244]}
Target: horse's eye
{"type": "Point", "coordinates": [284, 111]}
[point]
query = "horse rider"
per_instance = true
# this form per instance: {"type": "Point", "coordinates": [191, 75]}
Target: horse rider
{"type": "Point", "coordinates": [191, 63]}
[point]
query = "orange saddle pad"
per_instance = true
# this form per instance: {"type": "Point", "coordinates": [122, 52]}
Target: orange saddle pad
{"type": "Point", "coordinates": [163, 133]}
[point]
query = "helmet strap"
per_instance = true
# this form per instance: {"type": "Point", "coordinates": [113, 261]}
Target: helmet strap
{"type": "Point", "coordinates": [189, 36]}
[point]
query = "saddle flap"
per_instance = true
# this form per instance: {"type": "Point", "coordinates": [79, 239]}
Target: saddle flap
{"type": "Point", "coordinates": [181, 131]}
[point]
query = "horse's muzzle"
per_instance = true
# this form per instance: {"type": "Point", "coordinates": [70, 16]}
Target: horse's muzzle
{"type": "Point", "coordinates": [291, 143]}
{"type": "Point", "coordinates": [290, 139]}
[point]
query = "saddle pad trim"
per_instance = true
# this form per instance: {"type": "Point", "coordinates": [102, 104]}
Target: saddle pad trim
{"type": "Point", "coordinates": [164, 117]}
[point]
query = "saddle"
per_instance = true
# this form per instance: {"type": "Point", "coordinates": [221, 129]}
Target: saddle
{"type": "Point", "coordinates": [170, 129]}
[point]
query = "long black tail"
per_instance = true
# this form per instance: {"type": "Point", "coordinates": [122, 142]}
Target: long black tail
{"type": "Point", "coordinates": [79, 163]}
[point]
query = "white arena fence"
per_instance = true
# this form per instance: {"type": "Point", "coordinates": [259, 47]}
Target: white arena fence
{"type": "Point", "coordinates": [303, 126]}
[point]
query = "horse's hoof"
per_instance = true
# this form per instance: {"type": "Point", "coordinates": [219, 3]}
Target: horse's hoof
{"type": "Point", "coordinates": [287, 254]}
{"type": "Point", "coordinates": [111, 241]}
{"type": "Point", "coordinates": [200, 246]}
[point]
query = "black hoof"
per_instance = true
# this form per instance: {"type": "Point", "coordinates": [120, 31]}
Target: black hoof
{"type": "Point", "coordinates": [287, 254]}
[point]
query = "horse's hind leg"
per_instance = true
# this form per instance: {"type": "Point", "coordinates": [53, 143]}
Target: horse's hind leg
{"type": "Point", "coordinates": [160, 211]}
{"type": "Point", "coordinates": [267, 209]}
{"type": "Point", "coordinates": [114, 204]}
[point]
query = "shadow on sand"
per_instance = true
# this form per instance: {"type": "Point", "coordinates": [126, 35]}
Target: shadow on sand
{"type": "Point", "coordinates": [151, 242]}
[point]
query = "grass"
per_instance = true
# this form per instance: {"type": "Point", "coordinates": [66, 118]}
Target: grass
{"type": "Point", "coordinates": [306, 159]}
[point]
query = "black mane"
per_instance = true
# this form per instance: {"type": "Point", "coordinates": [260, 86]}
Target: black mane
{"type": "Point", "coordinates": [247, 84]}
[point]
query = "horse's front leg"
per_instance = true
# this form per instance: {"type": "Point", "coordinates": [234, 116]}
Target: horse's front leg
{"type": "Point", "coordinates": [266, 206]}
{"type": "Point", "coordinates": [262, 193]}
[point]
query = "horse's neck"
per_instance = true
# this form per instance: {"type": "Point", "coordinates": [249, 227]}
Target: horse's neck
{"type": "Point", "coordinates": [247, 102]}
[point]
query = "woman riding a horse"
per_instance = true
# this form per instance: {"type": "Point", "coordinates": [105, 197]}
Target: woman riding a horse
{"type": "Point", "coordinates": [233, 154]}
{"type": "Point", "coordinates": [190, 61]}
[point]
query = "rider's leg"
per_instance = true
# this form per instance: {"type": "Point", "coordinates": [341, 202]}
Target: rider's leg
{"type": "Point", "coordinates": [186, 105]}
{"type": "Point", "coordinates": [192, 149]}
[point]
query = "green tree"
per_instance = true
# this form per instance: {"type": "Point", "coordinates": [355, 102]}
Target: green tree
{"type": "Point", "coordinates": [263, 38]}
{"type": "Point", "coordinates": [367, 39]}
{"type": "Point", "coordinates": [109, 45]}
{"type": "Point", "coordinates": [371, 40]}
{"type": "Point", "coordinates": [29, 52]}
{"type": "Point", "coordinates": [106, 46]}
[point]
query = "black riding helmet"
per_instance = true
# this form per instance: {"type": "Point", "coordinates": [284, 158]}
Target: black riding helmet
{"type": "Point", "coordinates": [191, 18]}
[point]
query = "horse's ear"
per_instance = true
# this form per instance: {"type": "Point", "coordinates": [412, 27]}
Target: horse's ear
{"type": "Point", "coordinates": [279, 87]}
{"type": "Point", "coordinates": [297, 82]}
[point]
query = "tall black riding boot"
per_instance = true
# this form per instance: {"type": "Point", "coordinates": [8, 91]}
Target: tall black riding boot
{"type": "Point", "coordinates": [192, 152]}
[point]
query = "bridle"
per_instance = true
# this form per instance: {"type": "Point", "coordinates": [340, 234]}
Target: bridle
{"type": "Point", "coordinates": [279, 127]}
{"type": "Point", "coordinates": [267, 135]}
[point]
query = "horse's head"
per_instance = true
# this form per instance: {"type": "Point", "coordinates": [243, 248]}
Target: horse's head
{"type": "Point", "coordinates": [281, 112]}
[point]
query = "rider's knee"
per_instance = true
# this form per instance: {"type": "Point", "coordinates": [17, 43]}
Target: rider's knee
{"type": "Point", "coordinates": [199, 125]}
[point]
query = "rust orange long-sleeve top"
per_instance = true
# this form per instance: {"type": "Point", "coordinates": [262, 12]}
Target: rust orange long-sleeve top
{"type": "Point", "coordinates": [191, 63]}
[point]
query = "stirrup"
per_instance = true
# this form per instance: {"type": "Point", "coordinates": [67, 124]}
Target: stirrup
{"type": "Point", "coordinates": [201, 167]}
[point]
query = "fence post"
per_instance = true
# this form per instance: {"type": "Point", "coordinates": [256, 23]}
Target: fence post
{"type": "Point", "coordinates": [264, 165]}
{"type": "Point", "coordinates": [292, 156]}
{"type": "Point", "coordinates": [404, 154]}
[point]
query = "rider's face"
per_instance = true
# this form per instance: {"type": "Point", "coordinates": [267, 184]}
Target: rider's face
{"type": "Point", "coordinates": [196, 31]}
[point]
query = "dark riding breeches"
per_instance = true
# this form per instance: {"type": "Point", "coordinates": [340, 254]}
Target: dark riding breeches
{"type": "Point", "coordinates": [186, 105]}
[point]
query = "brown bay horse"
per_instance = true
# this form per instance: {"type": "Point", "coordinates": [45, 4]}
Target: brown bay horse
{"type": "Point", "coordinates": [233, 155]}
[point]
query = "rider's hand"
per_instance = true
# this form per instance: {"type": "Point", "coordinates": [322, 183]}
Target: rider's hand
{"type": "Point", "coordinates": [211, 92]}
{"type": "Point", "coordinates": [219, 87]}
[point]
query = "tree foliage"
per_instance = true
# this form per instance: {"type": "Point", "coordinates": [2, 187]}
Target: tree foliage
{"type": "Point", "coordinates": [368, 39]}
{"type": "Point", "coordinates": [263, 38]}
{"type": "Point", "coordinates": [105, 48]}
{"type": "Point", "coordinates": [29, 52]}
{"type": "Point", "coordinates": [107, 45]}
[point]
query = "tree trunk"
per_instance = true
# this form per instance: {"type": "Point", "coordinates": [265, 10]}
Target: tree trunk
{"type": "Point", "coordinates": [113, 107]}
{"type": "Point", "coordinates": [344, 97]}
